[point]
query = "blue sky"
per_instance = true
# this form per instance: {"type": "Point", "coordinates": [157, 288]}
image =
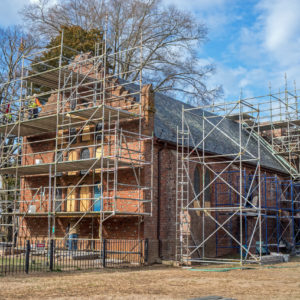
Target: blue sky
{"type": "Point", "coordinates": [251, 42]}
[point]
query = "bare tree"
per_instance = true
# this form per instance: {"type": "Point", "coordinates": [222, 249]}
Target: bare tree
{"type": "Point", "coordinates": [14, 43]}
{"type": "Point", "coordinates": [171, 40]}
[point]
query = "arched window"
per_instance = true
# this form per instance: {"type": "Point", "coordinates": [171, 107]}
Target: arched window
{"type": "Point", "coordinates": [207, 193]}
{"type": "Point", "coordinates": [84, 103]}
{"type": "Point", "coordinates": [197, 182]}
{"type": "Point", "coordinates": [73, 103]}
{"type": "Point", "coordinates": [98, 131]}
{"type": "Point", "coordinates": [72, 135]}
{"type": "Point", "coordinates": [84, 154]}
{"type": "Point", "coordinates": [58, 199]}
{"type": "Point", "coordinates": [59, 158]}
{"type": "Point", "coordinates": [198, 187]}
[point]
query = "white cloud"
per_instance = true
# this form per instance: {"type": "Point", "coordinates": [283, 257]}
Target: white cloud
{"type": "Point", "coordinates": [264, 51]}
{"type": "Point", "coordinates": [197, 5]}
{"type": "Point", "coordinates": [213, 13]}
{"type": "Point", "coordinates": [280, 22]}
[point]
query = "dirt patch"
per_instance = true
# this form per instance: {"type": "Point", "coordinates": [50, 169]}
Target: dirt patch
{"type": "Point", "coordinates": [278, 282]}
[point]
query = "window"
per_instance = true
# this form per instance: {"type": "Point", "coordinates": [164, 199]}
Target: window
{"type": "Point", "coordinates": [60, 156]}
{"type": "Point", "coordinates": [84, 103]}
{"type": "Point", "coordinates": [98, 131]}
{"type": "Point", "coordinates": [73, 103]}
{"type": "Point", "coordinates": [58, 199]}
{"type": "Point", "coordinates": [72, 136]}
{"type": "Point", "coordinates": [84, 154]}
{"type": "Point", "coordinates": [207, 193]}
{"type": "Point", "coordinates": [197, 182]}
{"type": "Point", "coordinates": [198, 189]}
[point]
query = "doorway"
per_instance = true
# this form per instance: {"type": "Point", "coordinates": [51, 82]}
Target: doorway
{"type": "Point", "coordinates": [98, 197]}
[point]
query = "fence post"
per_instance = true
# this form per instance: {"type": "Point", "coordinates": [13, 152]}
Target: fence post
{"type": "Point", "coordinates": [51, 254]}
{"type": "Point", "coordinates": [141, 251]}
{"type": "Point", "coordinates": [104, 253]}
{"type": "Point", "coordinates": [146, 250]}
{"type": "Point", "coordinates": [27, 256]}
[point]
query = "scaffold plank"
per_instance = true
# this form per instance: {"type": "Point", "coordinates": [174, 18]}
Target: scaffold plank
{"type": "Point", "coordinates": [288, 153]}
{"type": "Point", "coordinates": [241, 116]}
{"type": "Point", "coordinates": [278, 125]}
{"type": "Point", "coordinates": [65, 166]}
{"type": "Point", "coordinates": [97, 113]}
{"type": "Point", "coordinates": [77, 213]}
{"type": "Point", "coordinates": [31, 127]}
{"type": "Point", "coordinates": [50, 78]}
{"type": "Point", "coordinates": [46, 124]}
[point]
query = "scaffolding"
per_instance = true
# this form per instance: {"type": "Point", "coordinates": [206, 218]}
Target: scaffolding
{"type": "Point", "coordinates": [82, 153]}
{"type": "Point", "coordinates": [245, 154]}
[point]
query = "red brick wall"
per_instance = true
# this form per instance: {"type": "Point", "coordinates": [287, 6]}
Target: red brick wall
{"type": "Point", "coordinates": [115, 227]}
{"type": "Point", "coordinates": [168, 202]}
{"type": "Point", "coordinates": [87, 228]}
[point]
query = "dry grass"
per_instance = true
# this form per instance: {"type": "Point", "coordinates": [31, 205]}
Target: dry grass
{"type": "Point", "coordinates": [281, 282]}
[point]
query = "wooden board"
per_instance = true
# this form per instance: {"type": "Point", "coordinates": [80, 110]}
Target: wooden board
{"type": "Point", "coordinates": [71, 199]}
{"type": "Point", "coordinates": [237, 117]}
{"type": "Point", "coordinates": [84, 198]}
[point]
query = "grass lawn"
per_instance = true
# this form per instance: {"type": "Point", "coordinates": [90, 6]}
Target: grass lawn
{"type": "Point", "coordinates": [158, 282]}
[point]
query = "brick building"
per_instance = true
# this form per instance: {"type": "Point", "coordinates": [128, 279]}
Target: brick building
{"type": "Point", "coordinates": [90, 167]}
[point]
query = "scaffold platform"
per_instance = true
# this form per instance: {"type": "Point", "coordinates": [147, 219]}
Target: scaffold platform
{"type": "Point", "coordinates": [48, 124]}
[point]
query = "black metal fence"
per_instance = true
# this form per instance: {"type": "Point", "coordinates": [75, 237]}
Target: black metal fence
{"type": "Point", "coordinates": [71, 254]}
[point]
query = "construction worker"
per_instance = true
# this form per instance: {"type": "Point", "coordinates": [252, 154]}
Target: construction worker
{"type": "Point", "coordinates": [7, 115]}
{"type": "Point", "coordinates": [72, 235]}
{"type": "Point", "coordinates": [33, 106]}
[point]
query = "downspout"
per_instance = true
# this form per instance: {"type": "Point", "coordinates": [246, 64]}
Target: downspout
{"type": "Point", "coordinates": [158, 198]}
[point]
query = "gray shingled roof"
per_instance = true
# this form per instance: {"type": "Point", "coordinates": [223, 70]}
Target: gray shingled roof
{"type": "Point", "coordinates": [168, 117]}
